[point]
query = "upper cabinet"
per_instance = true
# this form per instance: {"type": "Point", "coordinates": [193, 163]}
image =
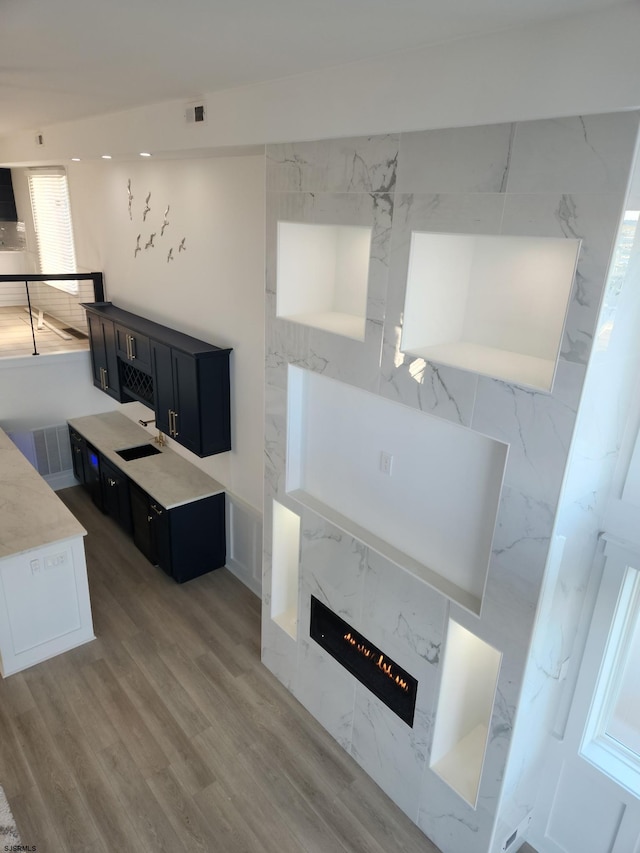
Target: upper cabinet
{"type": "Point", "coordinates": [192, 398]}
{"type": "Point", "coordinates": [185, 380]}
{"type": "Point", "coordinates": [104, 361]}
{"type": "Point", "coordinates": [132, 347]}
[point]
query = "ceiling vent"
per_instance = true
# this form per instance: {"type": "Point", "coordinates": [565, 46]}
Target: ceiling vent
{"type": "Point", "coordinates": [196, 112]}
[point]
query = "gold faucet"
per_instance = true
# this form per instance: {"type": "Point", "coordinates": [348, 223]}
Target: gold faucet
{"type": "Point", "coordinates": [160, 439]}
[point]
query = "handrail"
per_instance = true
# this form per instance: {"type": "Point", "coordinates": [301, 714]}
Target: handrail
{"type": "Point", "coordinates": [96, 277]}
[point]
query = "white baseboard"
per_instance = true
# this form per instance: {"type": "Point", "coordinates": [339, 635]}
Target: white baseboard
{"type": "Point", "coordinates": [63, 480]}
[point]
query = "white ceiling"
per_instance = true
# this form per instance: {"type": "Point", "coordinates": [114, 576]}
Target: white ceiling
{"type": "Point", "coordinates": [67, 59]}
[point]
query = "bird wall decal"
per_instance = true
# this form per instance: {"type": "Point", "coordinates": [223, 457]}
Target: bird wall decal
{"type": "Point", "coordinates": [146, 208]}
{"type": "Point", "coordinates": [182, 247]}
{"type": "Point", "coordinates": [149, 243]}
{"type": "Point", "coordinates": [170, 256]}
{"type": "Point", "coordinates": [130, 194]}
{"type": "Point", "coordinates": [138, 247]}
{"type": "Point", "coordinates": [166, 221]}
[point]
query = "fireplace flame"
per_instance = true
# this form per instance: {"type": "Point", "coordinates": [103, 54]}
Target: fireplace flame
{"type": "Point", "coordinates": [382, 664]}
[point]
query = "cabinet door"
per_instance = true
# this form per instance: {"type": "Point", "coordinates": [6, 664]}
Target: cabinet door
{"type": "Point", "coordinates": [160, 536]}
{"type": "Point", "coordinates": [186, 402]}
{"type": "Point", "coordinates": [104, 359]}
{"type": "Point", "coordinates": [133, 347]}
{"type": "Point", "coordinates": [151, 532]}
{"type": "Point", "coordinates": [141, 521]}
{"type": "Point", "coordinates": [97, 347]}
{"type": "Point", "coordinates": [78, 456]}
{"type": "Point", "coordinates": [115, 492]}
{"type": "Point", "coordinates": [163, 385]}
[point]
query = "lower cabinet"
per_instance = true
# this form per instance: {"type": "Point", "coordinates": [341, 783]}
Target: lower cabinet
{"type": "Point", "coordinates": [185, 541]}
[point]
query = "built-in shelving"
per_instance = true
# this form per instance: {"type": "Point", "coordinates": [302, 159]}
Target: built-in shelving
{"type": "Point", "coordinates": [495, 305]}
{"type": "Point", "coordinates": [433, 515]}
{"type": "Point", "coordinates": [467, 692]}
{"type": "Point", "coordinates": [284, 573]}
{"type": "Point", "coordinates": [322, 277]}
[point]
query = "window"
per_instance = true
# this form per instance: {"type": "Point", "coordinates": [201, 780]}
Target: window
{"type": "Point", "coordinates": [52, 220]}
{"type": "Point", "coordinates": [612, 736]}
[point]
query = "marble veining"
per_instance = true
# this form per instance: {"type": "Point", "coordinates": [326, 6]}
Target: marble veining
{"type": "Point", "coordinates": [552, 178]}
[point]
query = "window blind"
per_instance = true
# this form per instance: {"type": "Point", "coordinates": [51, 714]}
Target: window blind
{"type": "Point", "coordinates": [52, 220]}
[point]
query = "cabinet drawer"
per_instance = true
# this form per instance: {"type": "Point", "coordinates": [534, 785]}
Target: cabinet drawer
{"type": "Point", "coordinates": [133, 347]}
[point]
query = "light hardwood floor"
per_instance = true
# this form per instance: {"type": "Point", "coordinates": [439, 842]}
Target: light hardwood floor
{"type": "Point", "coordinates": [167, 733]}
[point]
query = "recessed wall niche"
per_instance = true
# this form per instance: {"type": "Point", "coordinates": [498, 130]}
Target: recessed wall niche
{"type": "Point", "coordinates": [494, 305]}
{"type": "Point", "coordinates": [285, 562]}
{"type": "Point", "coordinates": [420, 491]}
{"type": "Point", "coordinates": [322, 276]}
{"type": "Point", "coordinates": [467, 691]}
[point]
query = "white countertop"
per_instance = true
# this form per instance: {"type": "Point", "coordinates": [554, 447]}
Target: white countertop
{"type": "Point", "coordinates": [167, 477]}
{"type": "Point", "coordinates": [31, 515]}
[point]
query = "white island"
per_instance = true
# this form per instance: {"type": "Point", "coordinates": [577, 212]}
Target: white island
{"type": "Point", "coordinates": [44, 593]}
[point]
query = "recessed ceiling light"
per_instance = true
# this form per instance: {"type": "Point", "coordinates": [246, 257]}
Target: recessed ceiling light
{"type": "Point", "coordinates": [106, 156]}
{"type": "Point", "coordinates": [145, 154]}
{"type": "Point", "coordinates": [76, 159]}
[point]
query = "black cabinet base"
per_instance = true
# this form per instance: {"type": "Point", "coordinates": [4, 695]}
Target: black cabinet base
{"type": "Point", "coordinates": [186, 541]}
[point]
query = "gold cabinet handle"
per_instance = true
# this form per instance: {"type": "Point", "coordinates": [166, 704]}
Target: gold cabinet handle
{"type": "Point", "coordinates": [173, 426]}
{"type": "Point", "coordinates": [103, 378]}
{"type": "Point", "coordinates": [149, 518]}
{"type": "Point", "coordinates": [156, 510]}
{"type": "Point", "coordinates": [112, 482]}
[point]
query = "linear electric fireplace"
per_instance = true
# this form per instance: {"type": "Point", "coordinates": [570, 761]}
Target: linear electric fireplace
{"type": "Point", "coordinates": [379, 674]}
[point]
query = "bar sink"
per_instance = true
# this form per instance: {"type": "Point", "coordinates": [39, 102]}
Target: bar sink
{"type": "Point", "coordinates": [131, 453]}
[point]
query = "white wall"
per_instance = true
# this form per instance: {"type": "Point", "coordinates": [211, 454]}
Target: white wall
{"type": "Point", "coordinates": [213, 290]}
{"type": "Point", "coordinates": [583, 64]}
{"type": "Point", "coordinates": [45, 390]}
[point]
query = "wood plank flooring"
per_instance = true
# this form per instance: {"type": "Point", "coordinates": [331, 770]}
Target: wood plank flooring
{"type": "Point", "coordinates": [167, 733]}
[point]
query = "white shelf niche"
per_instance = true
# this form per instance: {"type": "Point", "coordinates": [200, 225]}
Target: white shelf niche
{"type": "Point", "coordinates": [467, 694]}
{"type": "Point", "coordinates": [495, 305]}
{"type": "Point", "coordinates": [434, 516]}
{"type": "Point", "coordinates": [323, 272]}
{"type": "Point", "coordinates": [285, 559]}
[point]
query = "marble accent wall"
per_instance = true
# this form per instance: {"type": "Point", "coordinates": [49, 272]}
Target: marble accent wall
{"type": "Point", "coordinates": [551, 178]}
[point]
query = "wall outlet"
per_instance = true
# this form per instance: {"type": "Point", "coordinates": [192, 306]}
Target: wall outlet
{"type": "Point", "coordinates": [386, 462]}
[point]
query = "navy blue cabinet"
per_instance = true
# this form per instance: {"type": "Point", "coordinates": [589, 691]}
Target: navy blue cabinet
{"type": "Point", "coordinates": [104, 360]}
{"type": "Point", "coordinates": [185, 380]}
{"type": "Point", "coordinates": [185, 541]}
{"type": "Point", "coordinates": [115, 494]}
{"type": "Point", "coordinates": [192, 397]}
